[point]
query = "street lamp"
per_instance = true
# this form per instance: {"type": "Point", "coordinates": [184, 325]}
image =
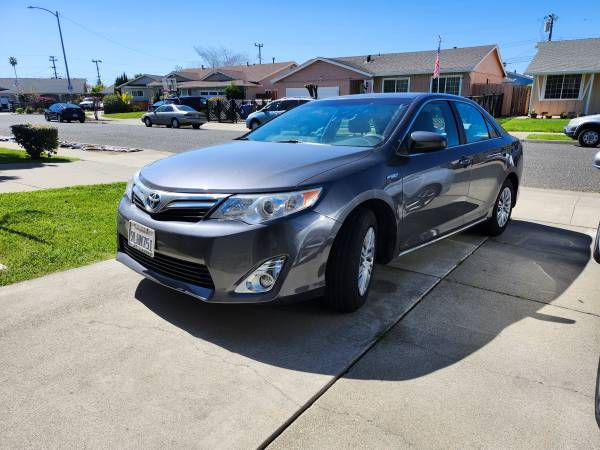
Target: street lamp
{"type": "Point", "coordinates": [55, 14]}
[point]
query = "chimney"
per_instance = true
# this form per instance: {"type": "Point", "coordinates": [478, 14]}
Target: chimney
{"type": "Point", "coordinates": [202, 66]}
{"type": "Point", "coordinates": [273, 60]}
{"type": "Point", "coordinates": [247, 64]}
{"type": "Point", "coordinates": [368, 58]}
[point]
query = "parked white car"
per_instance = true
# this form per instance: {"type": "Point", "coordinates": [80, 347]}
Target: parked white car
{"type": "Point", "coordinates": [585, 129]}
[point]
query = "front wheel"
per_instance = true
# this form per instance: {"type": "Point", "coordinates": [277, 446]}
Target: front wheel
{"type": "Point", "coordinates": [196, 126]}
{"type": "Point", "coordinates": [596, 252]}
{"type": "Point", "coordinates": [254, 124]}
{"type": "Point", "coordinates": [174, 123]}
{"type": "Point", "coordinates": [589, 138]}
{"type": "Point", "coordinates": [47, 117]}
{"type": "Point", "coordinates": [82, 120]}
{"type": "Point", "coordinates": [351, 262]}
{"type": "Point", "coordinates": [60, 119]}
{"type": "Point", "coordinates": [147, 122]}
{"type": "Point", "coordinates": [502, 211]}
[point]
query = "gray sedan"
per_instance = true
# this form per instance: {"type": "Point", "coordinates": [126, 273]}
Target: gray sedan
{"type": "Point", "coordinates": [272, 110]}
{"type": "Point", "coordinates": [174, 116]}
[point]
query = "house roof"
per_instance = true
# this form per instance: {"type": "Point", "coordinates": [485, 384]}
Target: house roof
{"type": "Point", "coordinates": [576, 55]}
{"type": "Point", "coordinates": [408, 63]}
{"type": "Point", "coordinates": [43, 85]}
{"type": "Point", "coordinates": [212, 84]}
{"type": "Point", "coordinates": [108, 90]}
{"type": "Point", "coordinates": [518, 78]}
{"type": "Point", "coordinates": [253, 72]}
{"type": "Point", "coordinates": [139, 81]}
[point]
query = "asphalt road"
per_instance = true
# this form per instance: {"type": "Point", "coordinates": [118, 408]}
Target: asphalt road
{"type": "Point", "coordinates": [549, 166]}
{"type": "Point", "coordinates": [156, 138]}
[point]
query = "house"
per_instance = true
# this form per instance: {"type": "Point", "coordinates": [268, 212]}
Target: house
{"type": "Point", "coordinates": [48, 87]}
{"type": "Point", "coordinates": [254, 79]}
{"type": "Point", "coordinates": [141, 89]}
{"type": "Point", "coordinates": [566, 77]}
{"type": "Point", "coordinates": [460, 68]}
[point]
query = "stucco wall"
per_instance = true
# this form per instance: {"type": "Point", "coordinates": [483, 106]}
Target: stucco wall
{"type": "Point", "coordinates": [556, 107]}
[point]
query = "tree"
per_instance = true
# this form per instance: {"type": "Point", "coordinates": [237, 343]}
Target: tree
{"type": "Point", "coordinates": [220, 56]}
{"type": "Point", "coordinates": [96, 92]}
{"type": "Point", "coordinates": [121, 79]}
{"type": "Point", "coordinates": [234, 91]}
{"type": "Point", "coordinates": [13, 62]}
{"type": "Point", "coordinates": [137, 75]}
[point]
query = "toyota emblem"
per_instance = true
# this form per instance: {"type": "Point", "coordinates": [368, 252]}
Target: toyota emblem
{"type": "Point", "coordinates": [153, 201]}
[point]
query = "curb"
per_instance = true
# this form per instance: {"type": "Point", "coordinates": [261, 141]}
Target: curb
{"type": "Point", "coordinates": [548, 141]}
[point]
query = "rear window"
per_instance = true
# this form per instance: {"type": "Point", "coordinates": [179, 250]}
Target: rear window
{"type": "Point", "coordinates": [185, 108]}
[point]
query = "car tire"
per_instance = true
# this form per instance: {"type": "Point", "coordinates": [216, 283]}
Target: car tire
{"type": "Point", "coordinates": [502, 211]}
{"type": "Point", "coordinates": [254, 125]}
{"type": "Point", "coordinates": [60, 119]}
{"type": "Point", "coordinates": [147, 122]}
{"type": "Point", "coordinates": [82, 120]}
{"type": "Point", "coordinates": [589, 137]}
{"type": "Point", "coordinates": [174, 123]}
{"type": "Point", "coordinates": [195, 126]}
{"type": "Point", "coordinates": [351, 263]}
{"type": "Point", "coordinates": [47, 117]}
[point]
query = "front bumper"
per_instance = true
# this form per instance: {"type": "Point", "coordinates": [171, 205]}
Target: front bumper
{"type": "Point", "coordinates": [231, 250]}
{"type": "Point", "coordinates": [569, 131]}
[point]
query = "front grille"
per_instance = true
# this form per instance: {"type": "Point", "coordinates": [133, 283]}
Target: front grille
{"type": "Point", "coordinates": [176, 211]}
{"type": "Point", "coordinates": [179, 269]}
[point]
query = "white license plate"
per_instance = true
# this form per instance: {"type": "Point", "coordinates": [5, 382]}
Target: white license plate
{"type": "Point", "coordinates": [141, 238]}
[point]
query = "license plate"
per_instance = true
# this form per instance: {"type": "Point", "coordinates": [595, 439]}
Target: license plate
{"type": "Point", "coordinates": [141, 238]}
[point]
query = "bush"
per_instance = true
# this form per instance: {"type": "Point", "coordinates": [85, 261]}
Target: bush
{"type": "Point", "coordinates": [134, 108]}
{"type": "Point", "coordinates": [114, 104]}
{"type": "Point", "coordinates": [40, 110]}
{"type": "Point", "coordinates": [36, 139]}
{"type": "Point", "coordinates": [20, 110]}
{"type": "Point", "coordinates": [29, 110]}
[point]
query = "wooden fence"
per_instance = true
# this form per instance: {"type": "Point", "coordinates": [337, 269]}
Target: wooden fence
{"type": "Point", "coordinates": [515, 100]}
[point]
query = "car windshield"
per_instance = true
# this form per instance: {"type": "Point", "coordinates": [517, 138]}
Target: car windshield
{"type": "Point", "coordinates": [185, 108]}
{"type": "Point", "coordinates": [351, 122]}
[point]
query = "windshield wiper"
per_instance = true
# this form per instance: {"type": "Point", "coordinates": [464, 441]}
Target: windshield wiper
{"type": "Point", "coordinates": [289, 141]}
{"type": "Point", "coordinates": [241, 138]}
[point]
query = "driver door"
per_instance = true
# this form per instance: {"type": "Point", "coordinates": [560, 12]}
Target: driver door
{"type": "Point", "coordinates": [435, 186]}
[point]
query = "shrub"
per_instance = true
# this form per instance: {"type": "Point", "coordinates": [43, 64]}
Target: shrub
{"type": "Point", "coordinates": [29, 110]}
{"type": "Point", "coordinates": [134, 108]}
{"type": "Point", "coordinates": [20, 110]}
{"type": "Point", "coordinates": [40, 110]}
{"type": "Point", "coordinates": [114, 104]}
{"type": "Point", "coordinates": [234, 91]}
{"type": "Point", "coordinates": [36, 139]}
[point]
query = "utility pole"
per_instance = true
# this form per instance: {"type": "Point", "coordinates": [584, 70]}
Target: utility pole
{"type": "Point", "coordinates": [62, 44]}
{"type": "Point", "coordinates": [53, 61]}
{"type": "Point", "coordinates": [96, 61]}
{"type": "Point", "coordinates": [549, 24]}
{"type": "Point", "coordinates": [260, 46]}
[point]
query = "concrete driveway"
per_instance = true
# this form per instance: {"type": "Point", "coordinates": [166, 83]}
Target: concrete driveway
{"type": "Point", "coordinates": [473, 342]}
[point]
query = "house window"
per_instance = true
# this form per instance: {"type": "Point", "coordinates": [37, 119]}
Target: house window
{"type": "Point", "coordinates": [137, 93]}
{"type": "Point", "coordinates": [447, 84]}
{"type": "Point", "coordinates": [562, 86]}
{"type": "Point", "coordinates": [395, 85]}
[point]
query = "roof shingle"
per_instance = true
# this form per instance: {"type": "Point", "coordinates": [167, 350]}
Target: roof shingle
{"type": "Point", "coordinates": [42, 86]}
{"type": "Point", "coordinates": [576, 55]}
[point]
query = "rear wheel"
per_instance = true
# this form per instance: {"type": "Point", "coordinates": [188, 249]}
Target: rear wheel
{"type": "Point", "coordinates": [195, 126]}
{"type": "Point", "coordinates": [589, 138]}
{"type": "Point", "coordinates": [174, 123]}
{"type": "Point", "coordinates": [351, 262]}
{"type": "Point", "coordinates": [147, 122]}
{"type": "Point", "coordinates": [82, 120]}
{"type": "Point", "coordinates": [496, 224]}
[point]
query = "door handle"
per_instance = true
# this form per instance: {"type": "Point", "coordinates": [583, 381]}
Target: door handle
{"type": "Point", "coordinates": [465, 161]}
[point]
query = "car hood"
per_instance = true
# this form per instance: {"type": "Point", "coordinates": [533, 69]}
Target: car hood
{"type": "Point", "coordinates": [246, 166]}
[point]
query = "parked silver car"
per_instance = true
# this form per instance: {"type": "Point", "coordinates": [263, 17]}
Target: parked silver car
{"type": "Point", "coordinates": [585, 129]}
{"type": "Point", "coordinates": [272, 110]}
{"type": "Point", "coordinates": [174, 116]}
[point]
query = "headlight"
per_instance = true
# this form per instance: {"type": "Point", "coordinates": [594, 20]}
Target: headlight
{"type": "Point", "coordinates": [257, 208]}
{"type": "Point", "coordinates": [129, 188]}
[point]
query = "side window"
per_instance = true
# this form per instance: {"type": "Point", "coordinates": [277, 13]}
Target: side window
{"type": "Point", "coordinates": [286, 105]}
{"type": "Point", "coordinates": [492, 130]}
{"type": "Point", "coordinates": [473, 122]}
{"type": "Point", "coordinates": [437, 117]}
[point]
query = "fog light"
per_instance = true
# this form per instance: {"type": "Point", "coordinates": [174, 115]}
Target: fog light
{"type": "Point", "coordinates": [262, 279]}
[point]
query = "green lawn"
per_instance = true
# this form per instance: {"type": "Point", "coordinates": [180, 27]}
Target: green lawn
{"type": "Point", "coordinates": [550, 137]}
{"type": "Point", "coordinates": [541, 125]}
{"type": "Point", "coordinates": [56, 229]}
{"type": "Point", "coordinates": [11, 156]}
{"type": "Point", "coordinates": [127, 115]}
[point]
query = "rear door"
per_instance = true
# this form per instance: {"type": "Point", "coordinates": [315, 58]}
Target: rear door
{"type": "Point", "coordinates": [485, 148]}
{"type": "Point", "coordinates": [436, 184]}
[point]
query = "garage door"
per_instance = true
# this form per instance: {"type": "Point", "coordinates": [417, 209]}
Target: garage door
{"type": "Point", "coordinates": [324, 92]}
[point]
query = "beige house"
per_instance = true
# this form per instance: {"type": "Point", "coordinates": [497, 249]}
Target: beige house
{"type": "Point", "coordinates": [460, 69]}
{"type": "Point", "coordinates": [566, 77]}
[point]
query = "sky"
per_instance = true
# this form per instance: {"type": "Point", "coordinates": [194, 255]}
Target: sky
{"type": "Point", "coordinates": [155, 37]}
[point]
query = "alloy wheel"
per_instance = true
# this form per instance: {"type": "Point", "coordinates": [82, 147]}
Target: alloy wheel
{"type": "Point", "coordinates": [590, 137]}
{"type": "Point", "coordinates": [504, 207]}
{"type": "Point", "coordinates": [367, 257]}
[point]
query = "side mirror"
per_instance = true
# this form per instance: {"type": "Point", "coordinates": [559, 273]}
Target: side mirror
{"type": "Point", "coordinates": [597, 161]}
{"type": "Point", "coordinates": [426, 141]}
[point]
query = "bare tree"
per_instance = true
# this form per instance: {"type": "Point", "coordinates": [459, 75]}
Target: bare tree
{"type": "Point", "coordinates": [220, 56]}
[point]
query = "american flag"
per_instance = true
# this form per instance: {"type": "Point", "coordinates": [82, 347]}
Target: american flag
{"type": "Point", "coordinates": [436, 66]}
